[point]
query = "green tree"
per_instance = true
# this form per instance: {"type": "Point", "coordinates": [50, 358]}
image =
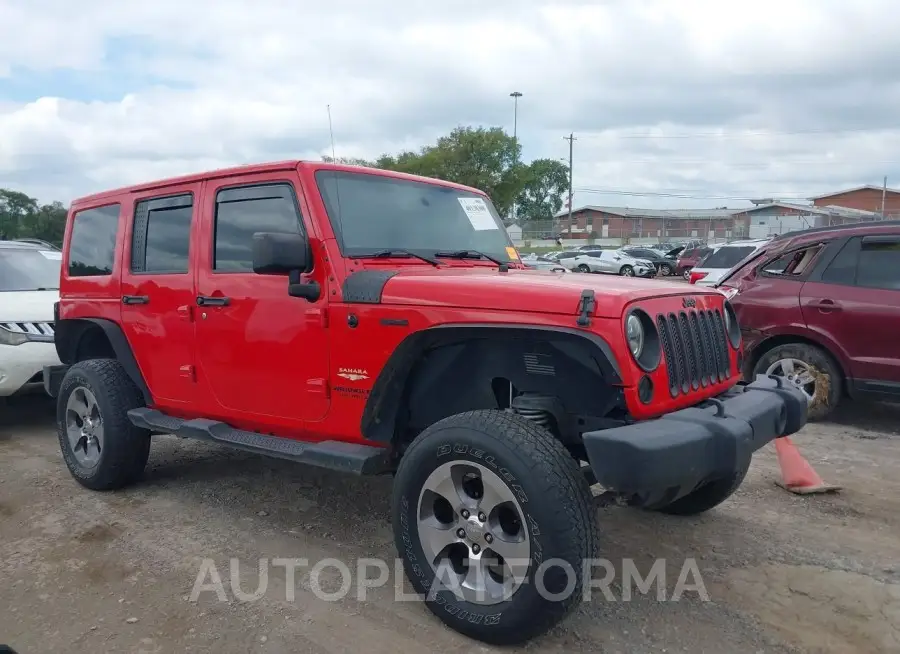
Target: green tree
{"type": "Point", "coordinates": [483, 158]}
{"type": "Point", "coordinates": [15, 209]}
{"type": "Point", "coordinates": [22, 217]}
{"type": "Point", "coordinates": [545, 181]}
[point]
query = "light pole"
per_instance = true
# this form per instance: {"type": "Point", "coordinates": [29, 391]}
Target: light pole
{"type": "Point", "coordinates": [515, 95]}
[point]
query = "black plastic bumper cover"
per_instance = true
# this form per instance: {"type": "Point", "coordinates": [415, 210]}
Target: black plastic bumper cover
{"type": "Point", "coordinates": [681, 450]}
{"type": "Point", "coordinates": [53, 376]}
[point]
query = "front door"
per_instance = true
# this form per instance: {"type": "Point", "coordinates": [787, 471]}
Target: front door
{"type": "Point", "coordinates": [158, 291]}
{"type": "Point", "coordinates": [263, 354]}
{"type": "Point", "coordinates": [856, 302]}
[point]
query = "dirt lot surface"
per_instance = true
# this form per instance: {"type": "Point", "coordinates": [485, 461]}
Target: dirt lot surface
{"type": "Point", "coordinates": [93, 572]}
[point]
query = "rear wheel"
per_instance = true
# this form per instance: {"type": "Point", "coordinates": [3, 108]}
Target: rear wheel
{"type": "Point", "coordinates": [706, 497]}
{"type": "Point", "coordinates": [480, 500]}
{"type": "Point", "coordinates": [627, 271]}
{"type": "Point", "coordinates": [101, 448]}
{"type": "Point", "coordinates": [808, 368]}
{"type": "Point", "coordinates": [686, 274]}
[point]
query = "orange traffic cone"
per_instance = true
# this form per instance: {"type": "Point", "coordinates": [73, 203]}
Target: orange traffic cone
{"type": "Point", "coordinates": [797, 476]}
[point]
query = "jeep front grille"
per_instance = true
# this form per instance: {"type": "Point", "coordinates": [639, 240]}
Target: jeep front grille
{"type": "Point", "coordinates": [695, 347]}
{"type": "Point", "coordinates": [37, 328]}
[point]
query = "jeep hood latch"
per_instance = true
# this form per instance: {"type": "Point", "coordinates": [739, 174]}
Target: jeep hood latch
{"type": "Point", "coordinates": [585, 308]}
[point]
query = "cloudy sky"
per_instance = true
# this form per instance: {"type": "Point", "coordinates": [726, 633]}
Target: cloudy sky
{"type": "Point", "coordinates": [714, 101]}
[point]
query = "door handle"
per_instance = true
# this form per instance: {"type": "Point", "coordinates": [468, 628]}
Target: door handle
{"type": "Point", "coordinates": [210, 301]}
{"type": "Point", "coordinates": [135, 299]}
{"type": "Point", "coordinates": [825, 306]}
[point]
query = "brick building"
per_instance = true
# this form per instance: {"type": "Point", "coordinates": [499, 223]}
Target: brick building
{"type": "Point", "coordinates": [627, 222]}
{"type": "Point", "coordinates": [863, 198]}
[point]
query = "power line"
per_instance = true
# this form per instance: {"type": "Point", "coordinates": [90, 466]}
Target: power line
{"type": "Point", "coordinates": [729, 135]}
{"type": "Point", "coordinates": [750, 164]}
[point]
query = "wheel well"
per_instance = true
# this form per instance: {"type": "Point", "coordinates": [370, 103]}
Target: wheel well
{"type": "Point", "coordinates": [81, 339]}
{"type": "Point", "coordinates": [787, 339]}
{"type": "Point", "coordinates": [570, 376]}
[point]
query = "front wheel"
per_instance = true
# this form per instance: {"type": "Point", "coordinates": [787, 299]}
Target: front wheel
{"type": "Point", "coordinates": [686, 274]}
{"type": "Point", "coordinates": [627, 271]}
{"type": "Point", "coordinates": [705, 497]}
{"type": "Point", "coordinates": [584, 268]}
{"type": "Point", "coordinates": [495, 524]}
{"type": "Point", "coordinates": [665, 270]}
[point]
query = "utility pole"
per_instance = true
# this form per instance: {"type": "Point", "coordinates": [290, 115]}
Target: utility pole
{"type": "Point", "coordinates": [515, 95]}
{"type": "Point", "coordinates": [571, 139]}
{"type": "Point", "coordinates": [883, 196]}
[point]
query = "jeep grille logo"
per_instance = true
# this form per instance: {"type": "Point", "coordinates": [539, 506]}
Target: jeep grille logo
{"type": "Point", "coordinates": [688, 303]}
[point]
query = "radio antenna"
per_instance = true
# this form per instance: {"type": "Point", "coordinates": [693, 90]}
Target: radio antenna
{"type": "Point", "coordinates": [331, 133]}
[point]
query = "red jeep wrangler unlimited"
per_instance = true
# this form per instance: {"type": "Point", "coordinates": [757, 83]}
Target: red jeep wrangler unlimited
{"type": "Point", "coordinates": [372, 322]}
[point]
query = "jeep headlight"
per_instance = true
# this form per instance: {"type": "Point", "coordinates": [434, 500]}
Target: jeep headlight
{"type": "Point", "coordinates": [643, 340]}
{"type": "Point", "coordinates": [732, 329]}
{"type": "Point", "coordinates": [634, 333]}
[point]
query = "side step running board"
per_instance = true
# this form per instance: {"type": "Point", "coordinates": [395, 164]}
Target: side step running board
{"type": "Point", "coordinates": [334, 455]}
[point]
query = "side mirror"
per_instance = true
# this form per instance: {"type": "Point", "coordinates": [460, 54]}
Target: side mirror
{"type": "Point", "coordinates": [278, 254]}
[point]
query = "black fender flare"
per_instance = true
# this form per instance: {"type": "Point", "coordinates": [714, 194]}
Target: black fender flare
{"type": "Point", "coordinates": [379, 415]}
{"type": "Point", "coordinates": [69, 333]}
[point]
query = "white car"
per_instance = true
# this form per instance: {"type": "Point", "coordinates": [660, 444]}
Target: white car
{"type": "Point", "coordinates": [29, 287]}
{"type": "Point", "coordinates": [612, 262]}
{"type": "Point", "coordinates": [711, 269]}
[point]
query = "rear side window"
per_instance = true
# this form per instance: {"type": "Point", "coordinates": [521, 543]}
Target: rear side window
{"type": "Point", "coordinates": [794, 264]}
{"type": "Point", "coordinates": [726, 257]}
{"type": "Point", "coordinates": [243, 211]}
{"type": "Point", "coordinates": [92, 245]}
{"type": "Point", "coordinates": [879, 263]}
{"type": "Point", "coordinates": [160, 239]}
{"type": "Point", "coordinates": [842, 270]}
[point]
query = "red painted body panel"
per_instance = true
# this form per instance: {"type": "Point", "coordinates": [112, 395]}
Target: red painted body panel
{"type": "Point", "coordinates": [272, 363]}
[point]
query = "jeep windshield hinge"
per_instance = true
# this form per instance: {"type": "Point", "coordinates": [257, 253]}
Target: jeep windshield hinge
{"type": "Point", "coordinates": [585, 308]}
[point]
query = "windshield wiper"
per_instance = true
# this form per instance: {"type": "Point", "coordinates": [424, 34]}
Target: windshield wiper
{"type": "Point", "coordinates": [470, 254]}
{"type": "Point", "coordinates": [385, 254]}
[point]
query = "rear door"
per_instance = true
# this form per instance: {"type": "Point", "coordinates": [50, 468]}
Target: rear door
{"type": "Point", "coordinates": [158, 291]}
{"type": "Point", "coordinates": [855, 302]}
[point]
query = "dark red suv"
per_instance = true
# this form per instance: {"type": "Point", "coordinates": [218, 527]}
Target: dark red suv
{"type": "Point", "coordinates": [822, 308]}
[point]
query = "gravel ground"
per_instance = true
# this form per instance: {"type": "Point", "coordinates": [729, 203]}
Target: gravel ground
{"type": "Point", "coordinates": [114, 572]}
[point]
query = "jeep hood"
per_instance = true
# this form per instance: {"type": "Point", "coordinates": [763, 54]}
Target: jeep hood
{"type": "Point", "coordinates": [538, 291]}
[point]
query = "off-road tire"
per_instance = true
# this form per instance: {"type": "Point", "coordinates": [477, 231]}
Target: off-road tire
{"type": "Point", "coordinates": [626, 271]}
{"type": "Point", "coordinates": [126, 448]}
{"type": "Point", "coordinates": [826, 399]}
{"type": "Point", "coordinates": [706, 497]}
{"type": "Point", "coordinates": [559, 516]}
{"type": "Point", "coordinates": [584, 268]}
{"type": "Point", "coordinates": [665, 270]}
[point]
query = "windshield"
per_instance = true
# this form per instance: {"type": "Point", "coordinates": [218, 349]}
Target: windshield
{"type": "Point", "coordinates": [29, 270]}
{"type": "Point", "coordinates": [372, 213]}
{"type": "Point", "coordinates": [726, 257]}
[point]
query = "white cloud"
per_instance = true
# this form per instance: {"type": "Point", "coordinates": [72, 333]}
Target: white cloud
{"type": "Point", "coordinates": [206, 83]}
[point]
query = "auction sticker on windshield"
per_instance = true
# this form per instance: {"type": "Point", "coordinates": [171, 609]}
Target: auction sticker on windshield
{"type": "Point", "coordinates": [478, 214]}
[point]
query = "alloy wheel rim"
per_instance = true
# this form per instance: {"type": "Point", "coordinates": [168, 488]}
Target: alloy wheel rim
{"type": "Point", "coordinates": [84, 427]}
{"type": "Point", "coordinates": [473, 532]}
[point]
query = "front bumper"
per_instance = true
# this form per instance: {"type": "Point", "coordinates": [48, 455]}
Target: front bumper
{"type": "Point", "coordinates": [670, 456]}
{"type": "Point", "coordinates": [21, 366]}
